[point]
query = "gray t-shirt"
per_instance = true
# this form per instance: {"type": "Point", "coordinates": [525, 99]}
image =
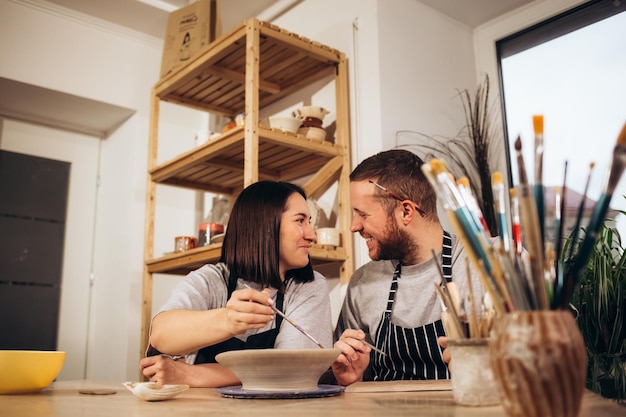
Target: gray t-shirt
{"type": "Point", "coordinates": [307, 304]}
{"type": "Point", "coordinates": [416, 302]}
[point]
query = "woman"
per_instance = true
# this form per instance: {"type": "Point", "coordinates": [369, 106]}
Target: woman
{"type": "Point", "coordinates": [227, 306]}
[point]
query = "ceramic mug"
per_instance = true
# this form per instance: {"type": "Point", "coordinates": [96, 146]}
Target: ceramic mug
{"type": "Point", "coordinates": [207, 231]}
{"type": "Point", "coordinates": [183, 243]}
{"type": "Point", "coordinates": [327, 236]}
{"type": "Point", "coordinates": [203, 136]}
{"type": "Point", "coordinates": [473, 382]}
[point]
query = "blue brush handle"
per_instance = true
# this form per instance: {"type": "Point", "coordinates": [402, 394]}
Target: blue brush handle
{"type": "Point", "coordinates": [472, 231]}
{"type": "Point", "coordinates": [538, 193]}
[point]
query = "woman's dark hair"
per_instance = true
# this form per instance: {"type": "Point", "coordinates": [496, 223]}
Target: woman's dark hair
{"type": "Point", "coordinates": [251, 247]}
{"type": "Point", "coordinates": [401, 172]}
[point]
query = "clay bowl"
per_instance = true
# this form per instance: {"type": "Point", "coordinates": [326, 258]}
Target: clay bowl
{"type": "Point", "coordinates": [314, 133]}
{"type": "Point", "coordinates": [310, 111]}
{"type": "Point", "coordinates": [285, 124]}
{"type": "Point", "coordinates": [278, 369]}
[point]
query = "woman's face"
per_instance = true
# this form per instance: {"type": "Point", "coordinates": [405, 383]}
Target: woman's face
{"type": "Point", "coordinates": [296, 234]}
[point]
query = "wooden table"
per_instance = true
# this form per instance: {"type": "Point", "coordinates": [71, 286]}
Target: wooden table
{"type": "Point", "coordinates": [63, 399]}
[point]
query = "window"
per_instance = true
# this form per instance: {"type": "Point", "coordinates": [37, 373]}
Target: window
{"type": "Point", "coordinates": [572, 70]}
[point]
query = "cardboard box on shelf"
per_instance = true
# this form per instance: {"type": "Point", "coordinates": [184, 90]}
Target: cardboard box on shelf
{"type": "Point", "coordinates": [189, 29]}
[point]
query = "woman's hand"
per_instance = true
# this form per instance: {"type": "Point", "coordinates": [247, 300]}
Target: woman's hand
{"type": "Point", "coordinates": [354, 359]}
{"type": "Point", "coordinates": [248, 309]}
{"type": "Point", "coordinates": [162, 369]}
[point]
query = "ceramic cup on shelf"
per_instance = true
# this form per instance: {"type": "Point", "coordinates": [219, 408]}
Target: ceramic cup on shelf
{"type": "Point", "coordinates": [540, 363]}
{"type": "Point", "coordinates": [473, 382]}
{"type": "Point", "coordinates": [207, 231]}
{"type": "Point", "coordinates": [327, 236]}
{"type": "Point", "coordinates": [203, 136]}
{"type": "Point", "coordinates": [183, 243]}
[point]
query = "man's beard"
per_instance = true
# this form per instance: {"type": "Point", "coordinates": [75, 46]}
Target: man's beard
{"type": "Point", "coordinates": [395, 244]}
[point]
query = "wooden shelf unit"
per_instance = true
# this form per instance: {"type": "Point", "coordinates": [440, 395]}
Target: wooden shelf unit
{"type": "Point", "coordinates": [246, 69]}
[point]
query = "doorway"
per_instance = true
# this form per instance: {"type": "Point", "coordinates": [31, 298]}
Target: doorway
{"type": "Point", "coordinates": [33, 203]}
{"type": "Point", "coordinates": [82, 153]}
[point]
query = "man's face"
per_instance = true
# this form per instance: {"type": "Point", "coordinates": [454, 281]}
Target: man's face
{"type": "Point", "coordinates": [384, 238]}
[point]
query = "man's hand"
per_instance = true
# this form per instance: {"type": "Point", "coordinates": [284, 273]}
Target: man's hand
{"type": "Point", "coordinates": [354, 359]}
{"type": "Point", "coordinates": [443, 342]}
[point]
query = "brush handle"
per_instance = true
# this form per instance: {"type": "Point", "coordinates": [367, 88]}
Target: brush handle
{"type": "Point", "coordinates": [538, 193]}
{"type": "Point", "coordinates": [293, 323]}
{"type": "Point", "coordinates": [374, 348]}
{"type": "Point", "coordinates": [473, 234]}
{"type": "Point", "coordinates": [485, 278]}
{"type": "Point", "coordinates": [300, 329]}
{"type": "Point", "coordinates": [534, 246]}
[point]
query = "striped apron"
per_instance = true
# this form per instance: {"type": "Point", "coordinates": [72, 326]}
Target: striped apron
{"type": "Point", "coordinates": [411, 353]}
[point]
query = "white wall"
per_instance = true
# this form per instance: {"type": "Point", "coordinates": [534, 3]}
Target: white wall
{"type": "Point", "coordinates": [425, 58]}
{"type": "Point", "coordinates": [406, 60]}
{"type": "Point", "coordinates": [75, 54]}
{"type": "Point", "coordinates": [486, 35]}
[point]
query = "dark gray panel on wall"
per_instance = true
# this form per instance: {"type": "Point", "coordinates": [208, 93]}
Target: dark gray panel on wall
{"type": "Point", "coordinates": [28, 317]}
{"type": "Point", "coordinates": [31, 251]}
{"type": "Point", "coordinates": [33, 187]}
{"type": "Point", "coordinates": [33, 205]}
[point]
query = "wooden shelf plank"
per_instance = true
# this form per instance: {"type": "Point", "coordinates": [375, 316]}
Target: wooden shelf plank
{"type": "Point", "coordinates": [218, 165]}
{"type": "Point", "coordinates": [181, 263]}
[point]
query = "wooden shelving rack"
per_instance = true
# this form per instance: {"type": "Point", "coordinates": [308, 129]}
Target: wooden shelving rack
{"type": "Point", "coordinates": [246, 69]}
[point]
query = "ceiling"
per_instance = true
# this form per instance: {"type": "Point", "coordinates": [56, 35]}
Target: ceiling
{"type": "Point", "coordinates": [474, 13]}
{"type": "Point", "coordinates": [150, 17]}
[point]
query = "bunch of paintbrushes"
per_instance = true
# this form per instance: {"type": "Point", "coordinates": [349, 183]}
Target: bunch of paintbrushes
{"type": "Point", "coordinates": [523, 269]}
{"type": "Point", "coordinates": [457, 321]}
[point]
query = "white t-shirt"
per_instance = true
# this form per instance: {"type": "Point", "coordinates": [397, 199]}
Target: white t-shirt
{"type": "Point", "coordinates": [416, 302]}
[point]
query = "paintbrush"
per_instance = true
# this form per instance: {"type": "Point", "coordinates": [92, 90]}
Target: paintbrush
{"type": "Point", "coordinates": [450, 303]}
{"type": "Point", "coordinates": [466, 191]}
{"type": "Point", "coordinates": [450, 324]}
{"type": "Point", "coordinates": [532, 232]}
{"type": "Point", "coordinates": [446, 191]}
{"type": "Point", "coordinates": [293, 323]}
{"type": "Point", "coordinates": [468, 221]}
{"type": "Point", "coordinates": [473, 316]}
{"type": "Point", "coordinates": [538, 189]}
{"type": "Point", "coordinates": [579, 262]}
{"type": "Point", "coordinates": [374, 348]}
{"type": "Point", "coordinates": [515, 281]}
{"type": "Point", "coordinates": [559, 225]}
{"type": "Point", "coordinates": [516, 228]}
{"type": "Point", "coordinates": [579, 215]}
{"type": "Point", "coordinates": [497, 186]}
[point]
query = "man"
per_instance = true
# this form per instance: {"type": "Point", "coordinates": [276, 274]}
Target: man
{"type": "Point", "coordinates": [391, 301]}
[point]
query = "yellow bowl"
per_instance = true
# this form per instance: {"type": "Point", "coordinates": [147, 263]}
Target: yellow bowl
{"type": "Point", "coordinates": [25, 371]}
